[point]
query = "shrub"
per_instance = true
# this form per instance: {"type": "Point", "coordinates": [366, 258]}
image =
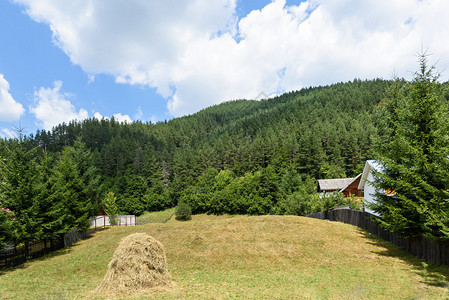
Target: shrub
{"type": "Point", "coordinates": [183, 212]}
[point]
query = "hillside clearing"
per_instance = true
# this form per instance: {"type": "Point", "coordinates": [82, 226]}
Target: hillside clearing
{"type": "Point", "coordinates": [274, 257]}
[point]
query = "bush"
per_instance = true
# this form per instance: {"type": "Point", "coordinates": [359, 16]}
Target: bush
{"type": "Point", "coordinates": [331, 200]}
{"type": "Point", "coordinates": [183, 212]}
{"type": "Point", "coordinates": [295, 204]}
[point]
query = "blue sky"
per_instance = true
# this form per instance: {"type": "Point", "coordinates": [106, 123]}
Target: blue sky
{"type": "Point", "coordinates": [153, 60]}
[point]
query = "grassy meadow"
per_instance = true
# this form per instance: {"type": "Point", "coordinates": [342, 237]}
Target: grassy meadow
{"type": "Point", "coordinates": [232, 257]}
{"type": "Point", "coordinates": [156, 217]}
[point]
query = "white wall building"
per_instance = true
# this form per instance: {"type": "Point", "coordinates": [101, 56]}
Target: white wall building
{"type": "Point", "coordinates": [366, 185]}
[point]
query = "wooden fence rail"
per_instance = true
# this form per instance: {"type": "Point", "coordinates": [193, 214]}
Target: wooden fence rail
{"type": "Point", "coordinates": [16, 255]}
{"type": "Point", "coordinates": [419, 246]}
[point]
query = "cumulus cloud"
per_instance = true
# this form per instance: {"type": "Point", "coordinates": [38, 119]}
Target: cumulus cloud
{"type": "Point", "coordinates": [122, 118]}
{"type": "Point", "coordinates": [10, 110]}
{"type": "Point", "coordinates": [197, 53]}
{"type": "Point", "coordinates": [98, 116]}
{"type": "Point", "coordinates": [52, 107]}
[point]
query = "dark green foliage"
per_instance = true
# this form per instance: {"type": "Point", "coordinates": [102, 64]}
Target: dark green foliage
{"type": "Point", "coordinates": [46, 196]}
{"type": "Point", "coordinates": [302, 203]}
{"type": "Point", "coordinates": [72, 191]}
{"type": "Point", "coordinates": [414, 152]}
{"type": "Point", "coordinates": [51, 205]}
{"type": "Point", "coordinates": [6, 225]}
{"type": "Point", "coordinates": [224, 193]}
{"type": "Point", "coordinates": [251, 157]}
{"type": "Point", "coordinates": [19, 178]}
{"type": "Point", "coordinates": [183, 212]}
{"type": "Point", "coordinates": [300, 199]}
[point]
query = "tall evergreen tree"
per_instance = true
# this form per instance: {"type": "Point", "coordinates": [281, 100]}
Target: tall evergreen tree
{"type": "Point", "coordinates": [19, 178]}
{"type": "Point", "coordinates": [71, 194]}
{"type": "Point", "coordinates": [413, 182]}
{"type": "Point", "coordinates": [52, 207]}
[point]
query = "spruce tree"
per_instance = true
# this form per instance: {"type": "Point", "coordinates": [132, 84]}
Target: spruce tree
{"type": "Point", "coordinates": [110, 207]}
{"type": "Point", "coordinates": [70, 191]}
{"type": "Point", "coordinates": [18, 188]}
{"type": "Point", "coordinates": [52, 207]}
{"type": "Point", "coordinates": [413, 180]}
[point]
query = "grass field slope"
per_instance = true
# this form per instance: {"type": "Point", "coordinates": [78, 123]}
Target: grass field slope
{"type": "Point", "coordinates": [247, 257]}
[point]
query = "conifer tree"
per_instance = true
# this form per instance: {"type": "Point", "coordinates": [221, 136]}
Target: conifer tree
{"type": "Point", "coordinates": [413, 182]}
{"type": "Point", "coordinates": [6, 219]}
{"type": "Point", "coordinates": [52, 207]}
{"type": "Point", "coordinates": [75, 205]}
{"type": "Point", "coordinates": [89, 174]}
{"type": "Point", "coordinates": [110, 207]}
{"type": "Point", "coordinates": [19, 177]}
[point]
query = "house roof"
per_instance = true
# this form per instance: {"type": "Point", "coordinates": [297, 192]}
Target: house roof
{"type": "Point", "coordinates": [370, 164]}
{"type": "Point", "coordinates": [353, 179]}
{"type": "Point", "coordinates": [334, 184]}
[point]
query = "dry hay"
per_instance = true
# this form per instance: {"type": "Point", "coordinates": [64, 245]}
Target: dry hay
{"type": "Point", "coordinates": [138, 266]}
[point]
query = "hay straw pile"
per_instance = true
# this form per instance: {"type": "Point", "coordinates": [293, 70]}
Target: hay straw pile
{"type": "Point", "coordinates": [138, 266]}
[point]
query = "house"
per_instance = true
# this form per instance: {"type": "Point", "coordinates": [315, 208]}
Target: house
{"type": "Point", "coordinates": [333, 185]}
{"type": "Point", "coordinates": [366, 186]}
{"type": "Point", "coordinates": [347, 186]}
{"type": "Point", "coordinates": [352, 188]}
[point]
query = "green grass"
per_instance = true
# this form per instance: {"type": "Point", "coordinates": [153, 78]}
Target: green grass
{"type": "Point", "coordinates": [155, 217]}
{"type": "Point", "coordinates": [229, 257]}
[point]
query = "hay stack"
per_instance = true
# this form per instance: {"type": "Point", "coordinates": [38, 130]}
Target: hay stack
{"type": "Point", "coordinates": [138, 266]}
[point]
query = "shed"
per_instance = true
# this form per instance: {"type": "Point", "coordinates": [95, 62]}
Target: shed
{"type": "Point", "coordinates": [347, 186]}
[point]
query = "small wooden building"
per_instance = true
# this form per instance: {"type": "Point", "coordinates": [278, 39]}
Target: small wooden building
{"type": "Point", "coordinates": [347, 186]}
{"type": "Point", "coordinates": [353, 187]}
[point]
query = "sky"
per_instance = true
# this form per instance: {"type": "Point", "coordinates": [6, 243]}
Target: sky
{"type": "Point", "coordinates": [156, 60]}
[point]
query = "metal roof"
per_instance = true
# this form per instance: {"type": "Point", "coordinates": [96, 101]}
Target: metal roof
{"type": "Point", "coordinates": [334, 184]}
{"type": "Point", "coordinates": [370, 164]}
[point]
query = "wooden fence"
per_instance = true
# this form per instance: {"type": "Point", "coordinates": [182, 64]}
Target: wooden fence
{"type": "Point", "coordinates": [419, 246]}
{"type": "Point", "coordinates": [16, 255]}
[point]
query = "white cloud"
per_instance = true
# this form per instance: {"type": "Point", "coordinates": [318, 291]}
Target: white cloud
{"type": "Point", "coordinates": [118, 117]}
{"type": "Point", "coordinates": [7, 133]}
{"type": "Point", "coordinates": [10, 109]}
{"type": "Point", "coordinates": [122, 118]}
{"type": "Point", "coordinates": [99, 117]}
{"type": "Point", "coordinates": [188, 49]}
{"type": "Point", "coordinates": [52, 107]}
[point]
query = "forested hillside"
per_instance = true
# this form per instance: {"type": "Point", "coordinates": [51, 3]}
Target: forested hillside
{"type": "Point", "coordinates": [267, 153]}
